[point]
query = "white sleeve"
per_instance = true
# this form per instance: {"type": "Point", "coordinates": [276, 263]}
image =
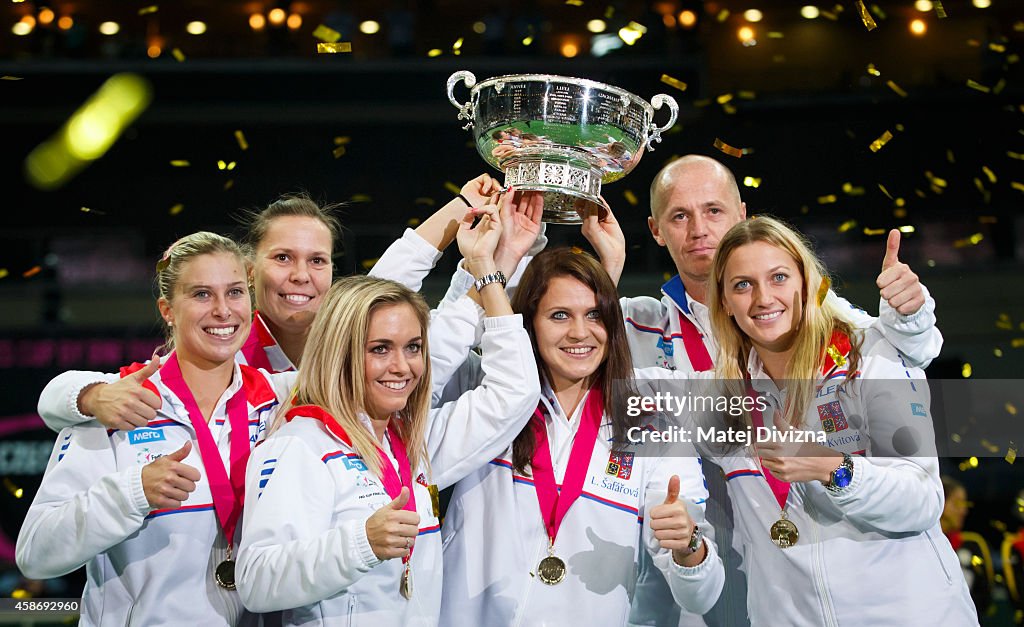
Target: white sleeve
{"type": "Point", "coordinates": [84, 505]}
{"type": "Point", "coordinates": [896, 488]}
{"type": "Point", "coordinates": [916, 335]}
{"type": "Point", "coordinates": [695, 588]}
{"type": "Point", "coordinates": [283, 383]}
{"type": "Point", "coordinates": [408, 260]}
{"type": "Point", "coordinates": [58, 403]}
{"type": "Point", "coordinates": [289, 553]}
{"type": "Point", "coordinates": [451, 334]}
{"type": "Point", "coordinates": [467, 433]}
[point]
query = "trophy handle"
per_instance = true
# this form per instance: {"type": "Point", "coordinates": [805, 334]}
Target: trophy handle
{"type": "Point", "coordinates": [654, 132]}
{"type": "Point", "coordinates": [466, 109]}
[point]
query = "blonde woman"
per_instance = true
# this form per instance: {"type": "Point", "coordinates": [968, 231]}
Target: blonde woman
{"type": "Point", "coordinates": [341, 521]}
{"type": "Point", "coordinates": [844, 529]}
{"type": "Point", "coordinates": [152, 513]}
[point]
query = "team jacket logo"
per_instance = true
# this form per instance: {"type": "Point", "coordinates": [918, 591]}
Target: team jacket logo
{"type": "Point", "coordinates": [620, 465]}
{"type": "Point", "coordinates": [141, 436]}
{"type": "Point", "coordinates": [832, 417]}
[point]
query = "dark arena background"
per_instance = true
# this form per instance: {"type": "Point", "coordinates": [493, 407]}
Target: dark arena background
{"type": "Point", "coordinates": [846, 119]}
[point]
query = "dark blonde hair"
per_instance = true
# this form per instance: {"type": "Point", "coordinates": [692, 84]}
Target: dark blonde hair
{"type": "Point", "coordinates": [333, 374]}
{"type": "Point", "coordinates": [615, 374]}
{"type": "Point", "coordinates": [257, 223]}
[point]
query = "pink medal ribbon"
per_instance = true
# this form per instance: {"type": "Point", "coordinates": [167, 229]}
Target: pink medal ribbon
{"type": "Point", "coordinates": [779, 488]}
{"type": "Point", "coordinates": [554, 504]}
{"type": "Point", "coordinates": [696, 351]}
{"type": "Point", "coordinates": [228, 493]}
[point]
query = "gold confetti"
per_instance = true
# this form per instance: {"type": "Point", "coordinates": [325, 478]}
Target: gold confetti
{"type": "Point", "coordinates": [989, 173]}
{"type": "Point", "coordinates": [935, 180]}
{"type": "Point", "coordinates": [674, 82]}
{"type": "Point", "coordinates": [13, 489]}
{"type": "Point", "coordinates": [826, 283]}
{"type": "Point", "coordinates": [879, 13]}
{"type": "Point", "coordinates": [978, 86]}
{"type": "Point", "coordinates": [846, 226]}
{"type": "Point", "coordinates": [750, 181]}
{"type": "Point", "coordinates": [1011, 409]}
{"type": "Point", "coordinates": [150, 9]}
{"type": "Point", "coordinates": [34, 270]}
{"type": "Point", "coordinates": [574, 3]}
{"type": "Point", "coordinates": [1017, 185]}
{"type": "Point", "coordinates": [334, 47]}
{"type": "Point", "coordinates": [1017, 342]}
{"type": "Point", "coordinates": [240, 138]}
{"type": "Point", "coordinates": [852, 190]}
{"type": "Point", "coordinates": [435, 52]}
{"type": "Point", "coordinates": [369, 263]}
{"type": "Point", "coordinates": [180, 163]}
{"type": "Point", "coordinates": [746, 94]}
{"type": "Point", "coordinates": [729, 109]}
{"type": "Point", "coordinates": [229, 184]}
{"type": "Point", "coordinates": [630, 197]}
{"type": "Point", "coordinates": [89, 210]}
{"type": "Point", "coordinates": [907, 229]}
{"type": "Point", "coordinates": [830, 15]}
{"type": "Point", "coordinates": [774, 34]}
{"type": "Point", "coordinates": [341, 140]}
{"type": "Point", "coordinates": [413, 222]}
{"type": "Point", "coordinates": [176, 209]}
{"type": "Point", "coordinates": [609, 12]}
{"type": "Point", "coordinates": [339, 151]}
{"type": "Point", "coordinates": [896, 88]}
{"type": "Point", "coordinates": [1011, 453]}
{"type": "Point", "coordinates": [987, 220]}
{"type": "Point", "coordinates": [998, 352]}
{"type": "Point", "coordinates": [869, 22]}
{"type": "Point", "coordinates": [3, 273]}
{"type": "Point", "coordinates": [225, 165]}
{"type": "Point", "coordinates": [873, 232]}
{"type": "Point", "coordinates": [899, 213]}
{"type": "Point", "coordinates": [973, 240]}
{"type": "Point", "coordinates": [722, 15]}
{"type": "Point", "coordinates": [178, 54]}
{"type": "Point", "coordinates": [724, 98]}
{"type": "Point", "coordinates": [423, 200]}
{"type": "Point", "coordinates": [872, 70]}
{"type": "Point", "coordinates": [326, 34]}
{"type": "Point", "coordinates": [966, 371]}
{"type": "Point", "coordinates": [1000, 85]}
{"type": "Point", "coordinates": [885, 191]}
{"type": "Point", "coordinates": [360, 198]}
{"type": "Point", "coordinates": [836, 356]}
{"type": "Point", "coordinates": [949, 156]}
{"type": "Point", "coordinates": [994, 47]}
{"type": "Point", "coordinates": [727, 149]}
{"type": "Point", "coordinates": [827, 200]}
{"type": "Point", "coordinates": [899, 202]}
{"type": "Point", "coordinates": [457, 46]}
{"type": "Point", "coordinates": [11, 78]}
{"type": "Point", "coordinates": [453, 188]}
{"type": "Point", "coordinates": [940, 11]}
{"type": "Point", "coordinates": [881, 141]}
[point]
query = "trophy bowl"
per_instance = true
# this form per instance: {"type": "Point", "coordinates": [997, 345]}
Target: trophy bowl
{"type": "Point", "coordinates": [559, 135]}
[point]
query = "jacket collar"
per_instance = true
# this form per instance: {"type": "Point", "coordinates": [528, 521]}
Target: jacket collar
{"type": "Point", "coordinates": [676, 292]}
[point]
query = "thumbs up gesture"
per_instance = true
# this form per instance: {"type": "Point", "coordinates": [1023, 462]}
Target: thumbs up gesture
{"type": "Point", "coordinates": [167, 482]}
{"type": "Point", "coordinates": [124, 404]}
{"type": "Point", "coordinates": [392, 530]}
{"type": "Point", "coordinates": [673, 528]}
{"type": "Point", "coordinates": [898, 285]}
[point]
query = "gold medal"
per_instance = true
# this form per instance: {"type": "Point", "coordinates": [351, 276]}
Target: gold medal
{"type": "Point", "coordinates": [225, 574]}
{"type": "Point", "coordinates": [784, 532]}
{"type": "Point", "coordinates": [551, 570]}
{"type": "Point", "coordinates": [405, 586]}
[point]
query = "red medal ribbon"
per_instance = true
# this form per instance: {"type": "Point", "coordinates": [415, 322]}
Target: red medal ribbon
{"type": "Point", "coordinates": [554, 504]}
{"type": "Point", "coordinates": [228, 493]}
{"type": "Point", "coordinates": [693, 342]}
{"type": "Point", "coordinates": [779, 488]}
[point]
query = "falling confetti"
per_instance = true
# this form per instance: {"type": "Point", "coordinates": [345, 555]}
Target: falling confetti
{"type": "Point", "coordinates": [413, 222]}
{"type": "Point", "coordinates": [15, 491]}
{"type": "Point", "coordinates": [574, 3]}
{"type": "Point", "coordinates": [966, 371]}
{"type": "Point", "coordinates": [3, 273]}
{"type": "Point", "coordinates": [727, 149]}
{"type": "Point", "coordinates": [457, 46]}
{"type": "Point", "coordinates": [989, 173]}
{"type": "Point", "coordinates": [453, 188]}
{"type": "Point", "coordinates": [333, 47]}
{"type": "Point", "coordinates": [338, 152]}
{"type": "Point", "coordinates": [360, 198]}
{"type": "Point", "coordinates": [11, 78]}
{"type": "Point", "coordinates": [630, 197]}
{"type": "Point", "coordinates": [973, 240]}
{"type": "Point", "coordinates": [846, 226]}
{"type": "Point", "coordinates": [150, 9]}
{"type": "Point", "coordinates": [896, 88]}
{"type": "Point", "coordinates": [885, 191]}
{"type": "Point", "coordinates": [881, 141]}
{"type": "Point", "coordinates": [423, 200]}
{"type": "Point", "coordinates": [240, 138]}
{"type": "Point", "coordinates": [940, 11]}
{"type": "Point", "coordinates": [872, 70]}
{"type": "Point", "coordinates": [869, 22]}
{"type": "Point", "coordinates": [674, 82]}
{"type": "Point", "coordinates": [1011, 453]}
{"type": "Point", "coordinates": [826, 283]}
{"type": "Point", "coordinates": [88, 210]}
{"type": "Point", "coordinates": [1017, 185]}
{"type": "Point", "coordinates": [31, 272]}
{"type": "Point", "coordinates": [978, 86]}
{"type": "Point", "coordinates": [178, 54]}
{"type": "Point", "coordinates": [326, 34]}
{"type": "Point", "coordinates": [180, 163]}
{"type": "Point", "coordinates": [874, 232]}
{"type": "Point", "coordinates": [750, 181]}
{"type": "Point", "coordinates": [176, 209]}
{"type": "Point", "coordinates": [827, 200]}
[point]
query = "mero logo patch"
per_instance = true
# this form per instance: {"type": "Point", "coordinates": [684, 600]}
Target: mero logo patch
{"type": "Point", "coordinates": [141, 436]}
{"type": "Point", "coordinates": [832, 417]}
{"type": "Point", "coordinates": [620, 465]}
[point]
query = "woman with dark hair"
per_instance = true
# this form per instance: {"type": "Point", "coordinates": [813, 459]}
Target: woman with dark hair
{"type": "Point", "coordinates": [550, 531]}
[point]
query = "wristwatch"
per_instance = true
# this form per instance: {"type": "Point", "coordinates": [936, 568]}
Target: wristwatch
{"type": "Point", "coordinates": [487, 279]}
{"type": "Point", "coordinates": [695, 540]}
{"type": "Point", "coordinates": [841, 476]}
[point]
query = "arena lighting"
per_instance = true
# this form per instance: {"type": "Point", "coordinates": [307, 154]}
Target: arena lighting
{"type": "Point", "coordinates": [28, 20]}
{"type": "Point", "coordinates": [154, 51]}
{"type": "Point", "coordinates": [479, 28]}
{"type": "Point", "coordinates": [981, 4]}
{"type": "Point", "coordinates": [746, 34]}
{"type": "Point", "coordinates": [21, 29]}
{"type": "Point", "coordinates": [596, 26]}
{"type": "Point", "coordinates": [918, 27]}
{"type": "Point", "coordinates": [45, 16]}
{"type": "Point", "coordinates": [109, 28]}
{"type": "Point", "coordinates": [294, 21]}
{"type": "Point", "coordinates": [687, 18]}
{"type": "Point", "coordinates": [810, 12]}
{"type": "Point", "coordinates": [196, 28]}
{"type": "Point", "coordinates": [276, 16]}
{"type": "Point", "coordinates": [753, 15]}
{"type": "Point", "coordinates": [569, 49]}
{"type": "Point", "coordinates": [369, 27]}
{"type": "Point", "coordinates": [65, 22]}
{"type": "Point", "coordinates": [257, 21]}
{"type": "Point", "coordinates": [923, 5]}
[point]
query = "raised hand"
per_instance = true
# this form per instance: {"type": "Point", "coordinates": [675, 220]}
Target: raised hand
{"type": "Point", "coordinates": [478, 243]}
{"type": "Point", "coordinates": [898, 285]}
{"type": "Point", "coordinates": [520, 215]}
{"type": "Point", "coordinates": [603, 232]}
{"type": "Point", "coordinates": [673, 528]}
{"type": "Point", "coordinates": [124, 404]}
{"type": "Point", "coordinates": [480, 190]}
{"type": "Point", "coordinates": [167, 482]}
{"type": "Point", "coordinates": [392, 530]}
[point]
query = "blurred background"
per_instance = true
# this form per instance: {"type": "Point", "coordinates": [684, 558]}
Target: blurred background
{"type": "Point", "coordinates": [850, 118]}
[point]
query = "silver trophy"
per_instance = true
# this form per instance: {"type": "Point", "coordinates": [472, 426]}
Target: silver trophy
{"type": "Point", "coordinates": [559, 135]}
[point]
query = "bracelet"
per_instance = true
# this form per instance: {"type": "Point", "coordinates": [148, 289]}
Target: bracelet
{"type": "Point", "coordinates": [469, 205]}
{"type": "Point", "coordinates": [487, 279]}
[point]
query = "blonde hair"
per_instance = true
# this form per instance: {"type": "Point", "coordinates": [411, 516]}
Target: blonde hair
{"type": "Point", "coordinates": [333, 372]}
{"type": "Point", "coordinates": [817, 323]}
{"type": "Point", "coordinates": [172, 264]}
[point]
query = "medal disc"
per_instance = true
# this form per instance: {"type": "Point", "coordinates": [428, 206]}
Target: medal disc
{"type": "Point", "coordinates": [225, 574]}
{"type": "Point", "coordinates": [405, 585]}
{"type": "Point", "coordinates": [784, 533]}
{"type": "Point", "coordinates": [551, 570]}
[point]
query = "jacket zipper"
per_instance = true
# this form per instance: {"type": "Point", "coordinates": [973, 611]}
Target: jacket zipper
{"type": "Point", "coordinates": [818, 569]}
{"type": "Point", "coordinates": [534, 580]}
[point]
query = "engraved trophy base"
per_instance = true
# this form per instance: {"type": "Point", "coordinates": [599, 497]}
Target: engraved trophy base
{"type": "Point", "coordinates": [571, 185]}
